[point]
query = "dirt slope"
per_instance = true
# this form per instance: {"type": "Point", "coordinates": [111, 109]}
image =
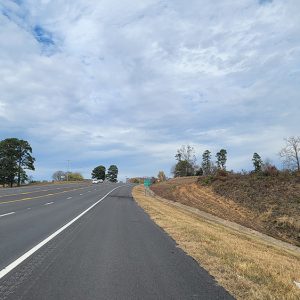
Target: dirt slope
{"type": "Point", "coordinates": [268, 206]}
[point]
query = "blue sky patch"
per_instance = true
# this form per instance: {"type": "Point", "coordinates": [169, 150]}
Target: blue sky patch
{"type": "Point", "coordinates": [42, 36]}
{"type": "Point", "coordinates": [265, 1]}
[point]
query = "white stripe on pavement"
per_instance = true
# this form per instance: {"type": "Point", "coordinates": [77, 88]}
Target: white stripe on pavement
{"type": "Point", "coordinates": [48, 203]}
{"type": "Point", "coordinates": [7, 214]}
{"type": "Point", "coordinates": [19, 260]}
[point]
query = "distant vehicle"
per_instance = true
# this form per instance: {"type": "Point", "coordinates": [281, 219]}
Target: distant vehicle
{"type": "Point", "coordinates": [97, 181]}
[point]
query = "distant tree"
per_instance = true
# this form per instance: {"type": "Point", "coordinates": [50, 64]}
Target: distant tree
{"type": "Point", "coordinates": [75, 176]}
{"type": "Point", "coordinates": [59, 176]}
{"type": "Point", "coordinates": [8, 170]}
{"type": "Point", "coordinates": [15, 158]}
{"type": "Point", "coordinates": [178, 156]}
{"type": "Point", "coordinates": [221, 159]}
{"type": "Point", "coordinates": [187, 153]}
{"type": "Point", "coordinates": [136, 180]}
{"type": "Point", "coordinates": [269, 169]}
{"type": "Point", "coordinates": [23, 177]}
{"type": "Point", "coordinates": [199, 172]}
{"type": "Point", "coordinates": [257, 163]}
{"type": "Point", "coordinates": [25, 159]}
{"type": "Point", "coordinates": [206, 162]}
{"type": "Point", "coordinates": [290, 154]}
{"type": "Point", "coordinates": [99, 172]}
{"type": "Point", "coordinates": [112, 173]}
{"type": "Point", "coordinates": [183, 168]}
{"type": "Point", "coordinates": [161, 176]}
{"type": "Point", "coordinates": [186, 161]}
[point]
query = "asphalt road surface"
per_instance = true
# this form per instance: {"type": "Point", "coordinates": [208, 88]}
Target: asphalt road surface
{"type": "Point", "coordinates": [83, 241]}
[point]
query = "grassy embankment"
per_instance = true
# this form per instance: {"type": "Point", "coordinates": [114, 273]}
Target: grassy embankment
{"type": "Point", "coordinates": [248, 267]}
{"type": "Point", "coordinates": [270, 205]}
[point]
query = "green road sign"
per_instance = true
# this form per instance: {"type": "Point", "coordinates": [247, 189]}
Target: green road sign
{"type": "Point", "coordinates": [147, 182]}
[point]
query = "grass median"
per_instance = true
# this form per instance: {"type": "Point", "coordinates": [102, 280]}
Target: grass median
{"type": "Point", "coordinates": [246, 266]}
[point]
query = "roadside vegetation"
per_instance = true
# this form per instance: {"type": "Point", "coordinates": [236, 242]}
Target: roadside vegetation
{"type": "Point", "coordinates": [266, 198]}
{"type": "Point", "coordinates": [62, 176]}
{"type": "Point", "coordinates": [270, 205]}
{"type": "Point", "coordinates": [100, 173]}
{"type": "Point", "coordinates": [15, 158]}
{"type": "Point", "coordinates": [248, 267]}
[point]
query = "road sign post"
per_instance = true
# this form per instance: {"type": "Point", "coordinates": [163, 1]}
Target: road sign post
{"type": "Point", "coordinates": [147, 184]}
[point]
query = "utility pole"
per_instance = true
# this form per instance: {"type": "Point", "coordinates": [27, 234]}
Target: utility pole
{"type": "Point", "coordinates": [68, 169]}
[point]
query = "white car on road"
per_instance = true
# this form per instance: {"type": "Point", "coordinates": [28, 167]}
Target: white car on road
{"type": "Point", "coordinates": [97, 181]}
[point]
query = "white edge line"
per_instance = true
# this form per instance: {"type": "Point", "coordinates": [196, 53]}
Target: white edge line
{"type": "Point", "coordinates": [19, 260]}
{"type": "Point", "coordinates": [7, 214]}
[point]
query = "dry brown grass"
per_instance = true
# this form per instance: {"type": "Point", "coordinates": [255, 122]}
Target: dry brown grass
{"type": "Point", "coordinates": [190, 193]}
{"type": "Point", "coordinates": [270, 205]}
{"type": "Point", "coordinates": [247, 267]}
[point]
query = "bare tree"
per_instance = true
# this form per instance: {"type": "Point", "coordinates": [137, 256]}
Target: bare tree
{"type": "Point", "coordinates": [290, 154]}
{"type": "Point", "coordinates": [59, 176]}
{"type": "Point", "coordinates": [161, 176]}
{"type": "Point", "coordinates": [187, 153]}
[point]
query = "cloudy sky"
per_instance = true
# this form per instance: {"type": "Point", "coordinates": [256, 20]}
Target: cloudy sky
{"type": "Point", "coordinates": [128, 82]}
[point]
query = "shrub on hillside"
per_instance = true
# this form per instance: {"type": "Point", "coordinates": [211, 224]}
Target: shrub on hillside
{"type": "Point", "coordinates": [270, 170]}
{"type": "Point", "coordinates": [207, 180]}
{"type": "Point", "coordinates": [221, 173]}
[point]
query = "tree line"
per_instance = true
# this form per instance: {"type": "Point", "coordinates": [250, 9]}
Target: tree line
{"type": "Point", "coordinates": [100, 173]}
{"type": "Point", "coordinates": [67, 176]}
{"type": "Point", "coordinates": [187, 163]}
{"type": "Point", "coordinates": [15, 158]}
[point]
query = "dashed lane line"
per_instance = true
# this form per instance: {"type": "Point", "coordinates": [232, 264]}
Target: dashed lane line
{"type": "Point", "coordinates": [10, 213]}
{"type": "Point", "coordinates": [32, 192]}
{"type": "Point", "coordinates": [27, 254]}
{"type": "Point", "coordinates": [48, 203]}
{"type": "Point", "coordinates": [37, 197]}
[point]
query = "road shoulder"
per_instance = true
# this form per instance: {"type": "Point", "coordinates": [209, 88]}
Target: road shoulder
{"type": "Point", "coordinates": [247, 267]}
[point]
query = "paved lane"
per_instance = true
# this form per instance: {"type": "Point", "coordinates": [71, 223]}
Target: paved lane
{"type": "Point", "coordinates": [33, 188]}
{"type": "Point", "coordinates": [25, 223]}
{"type": "Point", "coordinates": [114, 251]}
{"type": "Point", "coordinates": [20, 194]}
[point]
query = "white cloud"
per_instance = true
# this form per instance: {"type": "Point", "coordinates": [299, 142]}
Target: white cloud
{"type": "Point", "coordinates": [119, 81]}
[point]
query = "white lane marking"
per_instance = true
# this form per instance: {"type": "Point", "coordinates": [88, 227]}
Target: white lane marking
{"type": "Point", "coordinates": [48, 203]}
{"type": "Point", "coordinates": [28, 207]}
{"type": "Point", "coordinates": [7, 214]}
{"type": "Point", "coordinates": [69, 198]}
{"type": "Point", "coordinates": [19, 260]}
{"type": "Point", "coordinates": [80, 194]}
